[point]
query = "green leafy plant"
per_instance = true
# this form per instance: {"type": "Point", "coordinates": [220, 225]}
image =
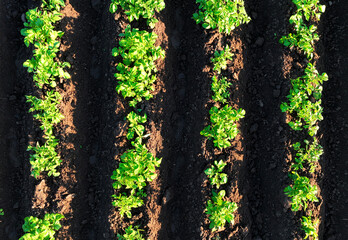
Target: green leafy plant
{"type": "Point", "coordinates": [39, 27]}
{"type": "Point", "coordinates": [47, 111]}
{"type": "Point", "coordinates": [127, 203]}
{"type": "Point", "coordinates": [220, 211]}
{"type": "Point", "coordinates": [304, 39]}
{"type": "Point", "coordinates": [304, 100]}
{"type": "Point", "coordinates": [2, 213]}
{"type": "Point", "coordinates": [39, 31]}
{"type": "Point", "coordinates": [308, 155]}
{"type": "Point", "coordinates": [139, 54]}
{"type": "Point", "coordinates": [310, 227]}
{"type": "Point", "coordinates": [135, 126]}
{"type": "Point", "coordinates": [215, 174]}
{"type": "Point", "coordinates": [137, 167]}
{"type": "Point", "coordinates": [45, 157]}
{"type": "Point", "coordinates": [221, 58]}
{"type": "Point", "coordinates": [222, 14]}
{"type": "Point", "coordinates": [301, 192]}
{"type": "Point", "coordinates": [131, 234]}
{"type": "Point", "coordinates": [220, 89]}
{"type": "Point", "coordinates": [135, 9]}
{"type": "Point", "coordinates": [309, 8]}
{"type": "Point", "coordinates": [53, 4]}
{"type": "Point", "coordinates": [41, 229]}
{"type": "Point", "coordinates": [223, 126]}
{"type": "Point", "coordinates": [304, 36]}
{"type": "Point", "coordinates": [136, 76]}
{"type": "Point", "coordinates": [304, 105]}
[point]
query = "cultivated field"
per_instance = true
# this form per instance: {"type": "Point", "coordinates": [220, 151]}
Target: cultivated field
{"type": "Point", "coordinates": [129, 126]}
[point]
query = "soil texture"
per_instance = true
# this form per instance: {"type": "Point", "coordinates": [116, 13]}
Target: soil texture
{"type": "Point", "coordinates": [93, 133]}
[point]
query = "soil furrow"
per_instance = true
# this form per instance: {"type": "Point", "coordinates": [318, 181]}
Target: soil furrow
{"type": "Point", "coordinates": [11, 134]}
{"type": "Point", "coordinates": [81, 20]}
{"type": "Point", "coordinates": [334, 61]}
{"type": "Point", "coordinates": [109, 130]}
{"type": "Point", "coordinates": [266, 132]}
{"type": "Point", "coordinates": [185, 110]}
{"type": "Point", "coordinates": [92, 135]}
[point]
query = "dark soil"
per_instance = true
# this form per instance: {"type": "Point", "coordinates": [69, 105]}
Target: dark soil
{"type": "Point", "coordinates": [334, 61]}
{"type": "Point", "coordinates": [10, 122]}
{"type": "Point", "coordinates": [265, 131]}
{"type": "Point", "coordinates": [92, 135]}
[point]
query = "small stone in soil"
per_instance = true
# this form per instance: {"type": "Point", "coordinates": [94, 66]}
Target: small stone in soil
{"type": "Point", "coordinates": [106, 235]}
{"type": "Point", "coordinates": [92, 159]}
{"type": "Point", "coordinates": [272, 166]}
{"type": "Point", "coordinates": [254, 128]}
{"type": "Point", "coordinates": [14, 13]}
{"type": "Point", "coordinates": [12, 98]}
{"type": "Point", "coordinates": [276, 93]}
{"type": "Point", "coordinates": [259, 41]}
{"type": "Point", "coordinates": [95, 4]}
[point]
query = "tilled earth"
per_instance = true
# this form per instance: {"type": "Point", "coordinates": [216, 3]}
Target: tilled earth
{"type": "Point", "coordinates": [92, 135]}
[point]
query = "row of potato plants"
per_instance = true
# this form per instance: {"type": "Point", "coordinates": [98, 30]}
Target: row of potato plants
{"type": "Point", "coordinates": [222, 130]}
{"type": "Point", "coordinates": [40, 34]}
{"type": "Point", "coordinates": [224, 16]}
{"type": "Point", "coordinates": [136, 74]}
{"type": "Point", "coordinates": [304, 107]}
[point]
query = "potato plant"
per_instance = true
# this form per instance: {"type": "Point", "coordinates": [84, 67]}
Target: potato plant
{"type": "Point", "coordinates": [136, 74]}
{"type": "Point", "coordinates": [220, 211]}
{"type": "Point", "coordinates": [135, 9]}
{"type": "Point", "coordinates": [307, 156]}
{"type": "Point", "coordinates": [223, 126]}
{"type": "Point", "coordinates": [301, 192]}
{"type": "Point", "coordinates": [305, 36]}
{"type": "Point", "coordinates": [221, 14]}
{"type": "Point", "coordinates": [137, 167]}
{"type": "Point", "coordinates": [126, 203]}
{"type": "Point", "coordinates": [41, 229]}
{"type": "Point", "coordinates": [304, 105]}
{"type": "Point", "coordinates": [221, 59]}
{"type": "Point", "coordinates": [220, 87]}
{"type": "Point", "coordinates": [131, 233]}
{"type": "Point", "coordinates": [39, 31]}
{"type": "Point", "coordinates": [304, 89]}
{"type": "Point", "coordinates": [136, 71]}
{"type": "Point", "coordinates": [215, 174]}
{"type": "Point", "coordinates": [310, 227]}
{"type": "Point", "coordinates": [309, 9]}
{"type": "Point", "coordinates": [53, 4]}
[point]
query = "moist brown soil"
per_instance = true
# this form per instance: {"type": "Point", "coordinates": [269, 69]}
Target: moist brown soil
{"type": "Point", "coordinates": [92, 135]}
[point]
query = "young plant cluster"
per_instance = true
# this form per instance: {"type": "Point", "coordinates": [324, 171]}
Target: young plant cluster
{"type": "Point", "coordinates": [222, 130]}
{"type": "Point", "coordinates": [39, 31]}
{"type": "Point", "coordinates": [136, 74]}
{"type": "Point", "coordinates": [223, 119]}
{"type": "Point", "coordinates": [305, 96]}
{"type": "Point", "coordinates": [135, 9]}
{"type": "Point", "coordinates": [41, 229]}
{"type": "Point", "coordinates": [222, 14]}
{"type": "Point", "coordinates": [219, 210]}
{"type": "Point", "coordinates": [304, 106]}
{"type": "Point", "coordinates": [226, 16]}
{"type": "Point", "coordinates": [136, 71]}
